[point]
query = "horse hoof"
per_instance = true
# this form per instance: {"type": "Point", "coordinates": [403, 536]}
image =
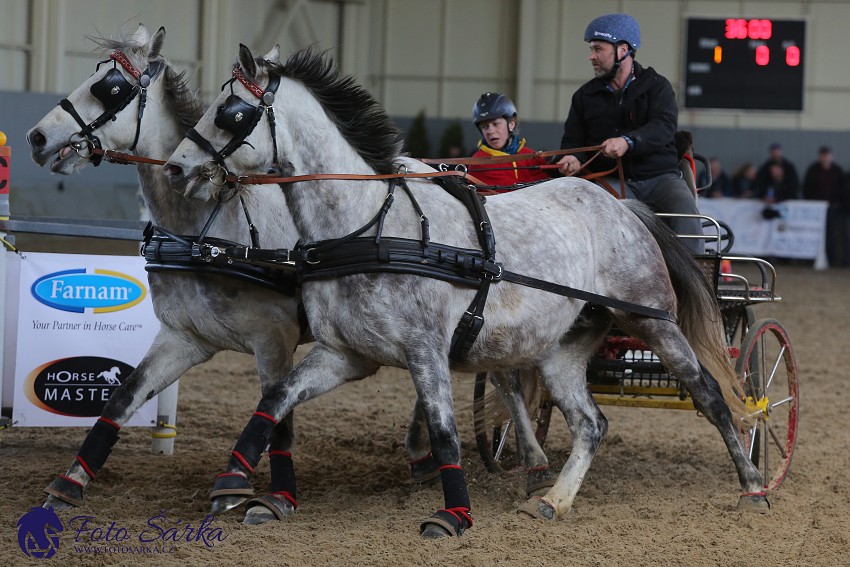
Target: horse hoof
{"type": "Point", "coordinates": [57, 504]}
{"type": "Point", "coordinates": [222, 504]}
{"type": "Point", "coordinates": [537, 508]}
{"type": "Point", "coordinates": [432, 531]}
{"type": "Point", "coordinates": [269, 507]}
{"type": "Point", "coordinates": [258, 515]}
{"type": "Point", "coordinates": [757, 503]}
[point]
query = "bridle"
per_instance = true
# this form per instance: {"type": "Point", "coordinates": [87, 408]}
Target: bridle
{"type": "Point", "coordinates": [114, 92]}
{"type": "Point", "coordinates": [239, 118]}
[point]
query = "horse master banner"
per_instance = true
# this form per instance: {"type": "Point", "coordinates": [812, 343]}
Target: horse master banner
{"type": "Point", "coordinates": [84, 323]}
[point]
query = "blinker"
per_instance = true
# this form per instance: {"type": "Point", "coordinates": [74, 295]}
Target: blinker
{"type": "Point", "coordinates": [111, 89]}
{"type": "Point", "coordinates": [235, 116]}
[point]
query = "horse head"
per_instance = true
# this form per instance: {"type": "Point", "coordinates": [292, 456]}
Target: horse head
{"type": "Point", "coordinates": [298, 118]}
{"type": "Point", "coordinates": [242, 115]}
{"type": "Point", "coordinates": [94, 114]}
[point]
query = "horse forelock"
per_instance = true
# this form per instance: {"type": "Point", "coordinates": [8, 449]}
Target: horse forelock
{"type": "Point", "coordinates": [360, 118]}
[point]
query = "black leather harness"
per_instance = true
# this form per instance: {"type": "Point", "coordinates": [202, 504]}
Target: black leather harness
{"type": "Point", "coordinates": [356, 254]}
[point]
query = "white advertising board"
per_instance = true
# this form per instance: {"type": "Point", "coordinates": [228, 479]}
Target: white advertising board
{"type": "Point", "coordinates": [84, 322]}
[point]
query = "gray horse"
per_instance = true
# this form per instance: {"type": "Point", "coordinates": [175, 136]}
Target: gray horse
{"type": "Point", "coordinates": [566, 231]}
{"type": "Point", "coordinates": [200, 314]}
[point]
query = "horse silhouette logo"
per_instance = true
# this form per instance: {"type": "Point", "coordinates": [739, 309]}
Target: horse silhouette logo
{"type": "Point", "coordinates": [38, 533]}
{"type": "Point", "coordinates": [111, 375]}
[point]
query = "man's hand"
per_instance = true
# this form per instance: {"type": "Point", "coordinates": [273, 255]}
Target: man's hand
{"type": "Point", "coordinates": [615, 147]}
{"type": "Point", "coordinates": [569, 165]}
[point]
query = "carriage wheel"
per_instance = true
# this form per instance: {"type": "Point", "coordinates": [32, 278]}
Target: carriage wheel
{"type": "Point", "coordinates": [768, 374]}
{"type": "Point", "coordinates": [494, 432]}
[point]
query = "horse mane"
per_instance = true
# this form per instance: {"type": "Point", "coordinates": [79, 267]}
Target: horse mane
{"type": "Point", "coordinates": [184, 101]}
{"type": "Point", "coordinates": [360, 118]}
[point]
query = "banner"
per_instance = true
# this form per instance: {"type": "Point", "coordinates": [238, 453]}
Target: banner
{"type": "Point", "coordinates": [798, 231]}
{"type": "Point", "coordinates": [84, 323]}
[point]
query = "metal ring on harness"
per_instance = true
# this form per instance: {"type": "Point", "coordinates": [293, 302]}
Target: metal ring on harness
{"type": "Point", "coordinates": [307, 255]}
{"type": "Point", "coordinates": [214, 173]}
{"type": "Point", "coordinates": [83, 145]}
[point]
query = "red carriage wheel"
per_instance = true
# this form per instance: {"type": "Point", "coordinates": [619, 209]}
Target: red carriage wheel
{"type": "Point", "coordinates": [768, 374]}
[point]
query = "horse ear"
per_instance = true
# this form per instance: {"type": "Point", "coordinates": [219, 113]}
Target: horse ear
{"type": "Point", "coordinates": [141, 35]}
{"type": "Point", "coordinates": [155, 44]}
{"type": "Point", "coordinates": [246, 61]}
{"type": "Point", "coordinates": [273, 56]}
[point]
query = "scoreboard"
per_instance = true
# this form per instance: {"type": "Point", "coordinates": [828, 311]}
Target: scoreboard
{"type": "Point", "coordinates": [747, 64]}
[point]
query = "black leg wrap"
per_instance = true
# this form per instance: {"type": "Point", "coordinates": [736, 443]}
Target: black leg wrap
{"type": "Point", "coordinates": [66, 490]}
{"type": "Point", "coordinates": [454, 519]}
{"type": "Point", "coordinates": [97, 446]}
{"type": "Point", "coordinates": [251, 443]}
{"type": "Point", "coordinates": [454, 487]}
{"type": "Point", "coordinates": [283, 472]}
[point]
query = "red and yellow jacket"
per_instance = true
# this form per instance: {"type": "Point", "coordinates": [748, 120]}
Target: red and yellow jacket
{"type": "Point", "coordinates": [506, 173]}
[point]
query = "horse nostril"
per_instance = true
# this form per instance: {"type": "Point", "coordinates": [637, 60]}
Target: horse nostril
{"type": "Point", "coordinates": [172, 170]}
{"type": "Point", "coordinates": [37, 139]}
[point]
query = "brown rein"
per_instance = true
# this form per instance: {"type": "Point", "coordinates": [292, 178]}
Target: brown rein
{"type": "Point", "coordinates": [113, 156]}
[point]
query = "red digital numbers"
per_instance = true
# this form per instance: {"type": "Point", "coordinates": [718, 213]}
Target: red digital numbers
{"type": "Point", "coordinates": [792, 56]}
{"type": "Point", "coordinates": [762, 55]}
{"type": "Point", "coordinates": [739, 28]}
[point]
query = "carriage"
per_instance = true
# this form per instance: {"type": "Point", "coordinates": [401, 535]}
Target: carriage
{"type": "Point", "coordinates": [340, 109]}
{"type": "Point", "coordinates": [624, 372]}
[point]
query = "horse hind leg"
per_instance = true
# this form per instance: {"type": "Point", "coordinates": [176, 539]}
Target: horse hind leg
{"type": "Point", "coordinates": [564, 373]}
{"type": "Point", "coordinates": [510, 387]}
{"type": "Point", "coordinates": [423, 466]}
{"type": "Point", "coordinates": [667, 341]}
{"type": "Point", "coordinates": [167, 359]}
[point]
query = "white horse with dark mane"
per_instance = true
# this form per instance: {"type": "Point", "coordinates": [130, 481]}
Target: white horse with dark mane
{"type": "Point", "coordinates": [200, 313]}
{"type": "Point", "coordinates": [567, 232]}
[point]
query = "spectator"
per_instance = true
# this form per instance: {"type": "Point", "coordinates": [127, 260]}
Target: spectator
{"type": "Point", "coordinates": [495, 117]}
{"type": "Point", "coordinates": [743, 179]}
{"type": "Point", "coordinates": [777, 187]}
{"type": "Point", "coordinates": [721, 184]}
{"type": "Point", "coordinates": [767, 177]}
{"type": "Point", "coordinates": [630, 111]}
{"type": "Point", "coordinates": [824, 181]}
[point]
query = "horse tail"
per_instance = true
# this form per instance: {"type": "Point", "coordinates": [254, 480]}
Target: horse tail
{"type": "Point", "coordinates": [698, 313]}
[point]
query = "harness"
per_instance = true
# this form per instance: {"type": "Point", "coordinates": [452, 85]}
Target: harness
{"type": "Point", "coordinates": [356, 254]}
{"type": "Point", "coordinates": [114, 92]}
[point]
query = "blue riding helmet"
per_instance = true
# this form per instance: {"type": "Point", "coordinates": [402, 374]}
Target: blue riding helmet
{"type": "Point", "coordinates": [614, 28]}
{"type": "Point", "coordinates": [492, 105]}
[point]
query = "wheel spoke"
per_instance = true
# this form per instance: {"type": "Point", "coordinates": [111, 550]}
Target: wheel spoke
{"type": "Point", "coordinates": [506, 428]}
{"type": "Point", "coordinates": [779, 358]}
{"type": "Point", "coordinates": [788, 400]}
{"type": "Point", "coordinates": [779, 444]}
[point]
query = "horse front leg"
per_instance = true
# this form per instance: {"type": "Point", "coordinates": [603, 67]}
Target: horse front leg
{"type": "Point", "coordinates": [320, 371]}
{"type": "Point", "coordinates": [169, 357]}
{"type": "Point", "coordinates": [430, 373]}
{"type": "Point", "coordinates": [230, 490]}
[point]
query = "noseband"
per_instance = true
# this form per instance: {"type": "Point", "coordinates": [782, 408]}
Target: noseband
{"type": "Point", "coordinates": [114, 92]}
{"type": "Point", "coordinates": [239, 118]}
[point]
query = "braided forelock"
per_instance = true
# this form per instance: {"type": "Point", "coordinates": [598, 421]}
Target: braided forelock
{"type": "Point", "coordinates": [360, 118]}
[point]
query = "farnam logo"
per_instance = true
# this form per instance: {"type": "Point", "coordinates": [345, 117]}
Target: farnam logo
{"type": "Point", "coordinates": [38, 535]}
{"type": "Point", "coordinates": [101, 291]}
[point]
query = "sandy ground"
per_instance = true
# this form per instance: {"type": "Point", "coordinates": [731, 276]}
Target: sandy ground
{"type": "Point", "coordinates": [661, 491]}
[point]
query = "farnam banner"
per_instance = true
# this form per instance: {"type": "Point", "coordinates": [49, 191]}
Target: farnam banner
{"type": "Point", "coordinates": [84, 323]}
